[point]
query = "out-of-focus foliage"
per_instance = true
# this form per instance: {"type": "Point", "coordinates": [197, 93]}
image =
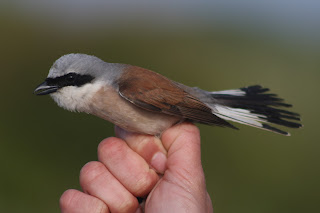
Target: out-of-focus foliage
{"type": "Point", "coordinates": [43, 147]}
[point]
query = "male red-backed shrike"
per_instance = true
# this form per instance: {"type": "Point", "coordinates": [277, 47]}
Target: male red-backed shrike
{"type": "Point", "coordinates": [142, 101]}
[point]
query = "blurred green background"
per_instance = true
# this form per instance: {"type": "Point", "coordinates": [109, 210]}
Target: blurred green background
{"type": "Point", "coordinates": [213, 45]}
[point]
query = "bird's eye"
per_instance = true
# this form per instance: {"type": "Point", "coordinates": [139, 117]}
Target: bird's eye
{"type": "Point", "coordinates": [71, 77]}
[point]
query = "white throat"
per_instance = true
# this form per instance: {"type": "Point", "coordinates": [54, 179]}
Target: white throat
{"type": "Point", "coordinates": [74, 98]}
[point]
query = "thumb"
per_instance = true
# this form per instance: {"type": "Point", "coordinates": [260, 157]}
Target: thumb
{"type": "Point", "coordinates": [184, 167]}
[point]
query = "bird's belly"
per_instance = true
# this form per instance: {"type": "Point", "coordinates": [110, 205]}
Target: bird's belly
{"type": "Point", "coordinates": [114, 108]}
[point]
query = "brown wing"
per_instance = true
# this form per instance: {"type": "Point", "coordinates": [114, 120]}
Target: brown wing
{"type": "Point", "coordinates": [154, 92]}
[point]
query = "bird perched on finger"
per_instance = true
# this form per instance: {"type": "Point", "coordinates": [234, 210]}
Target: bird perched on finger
{"type": "Point", "coordinates": [143, 101]}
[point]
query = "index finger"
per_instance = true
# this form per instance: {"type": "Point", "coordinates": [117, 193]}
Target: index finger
{"type": "Point", "coordinates": [149, 147]}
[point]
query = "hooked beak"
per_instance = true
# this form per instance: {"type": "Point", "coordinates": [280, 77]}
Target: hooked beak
{"type": "Point", "coordinates": [45, 89]}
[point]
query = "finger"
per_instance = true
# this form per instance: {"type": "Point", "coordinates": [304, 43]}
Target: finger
{"type": "Point", "coordinates": [127, 166]}
{"type": "Point", "coordinates": [209, 203]}
{"type": "Point", "coordinates": [73, 201]}
{"type": "Point", "coordinates": [147, 146]}
{"type": "Point", "coordinates": [184, 156]}
{"type": "Point", "coordinates": [183, 141]}
{"type": "Point", "coordinates": [96, 180]}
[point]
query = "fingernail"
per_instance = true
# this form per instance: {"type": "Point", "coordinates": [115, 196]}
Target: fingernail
{"type": "Point", "coordinates": [159, 162]}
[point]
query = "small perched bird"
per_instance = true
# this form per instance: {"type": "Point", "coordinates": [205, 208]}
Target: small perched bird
{"type": "Point", "coordinates": [142, 101]}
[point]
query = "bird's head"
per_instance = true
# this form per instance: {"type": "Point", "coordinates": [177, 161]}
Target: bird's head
{"type": "Point", "coordinates": [73, 78]}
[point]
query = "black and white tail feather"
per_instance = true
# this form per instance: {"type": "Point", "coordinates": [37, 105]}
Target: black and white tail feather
{"type": "Point", "coordinates": [254, 107]}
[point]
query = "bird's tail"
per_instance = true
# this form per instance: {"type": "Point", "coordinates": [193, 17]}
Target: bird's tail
{"type": "Point", "coordinates": [254, 107]}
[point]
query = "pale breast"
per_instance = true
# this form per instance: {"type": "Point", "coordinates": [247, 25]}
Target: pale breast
{"type": "Point", "coordinates": [109, 105]}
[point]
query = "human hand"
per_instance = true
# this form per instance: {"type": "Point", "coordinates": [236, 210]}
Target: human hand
{"type": "Point", "coordinates": [127, 169]}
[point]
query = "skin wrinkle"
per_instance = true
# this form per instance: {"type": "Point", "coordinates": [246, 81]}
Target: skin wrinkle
{"type": "Point", "coordinates": [65, 203]}
{"type": "Point", "coordinates": [151, 151]}
{"type": "Point", "coordinates": [145, 179]}
{"type": "Point", "coordinates": [143, 144]}
{"type": "Point", "coordinates": [184, 181]}
{"type": "Point", "coordinates": [109, 148]}
{"type": "Point", "coordinates": [126, 205]}
{"type": "Point", "coordinates": [183, 173]}
{"type": "Point", "coordinates": [147, 143]}
{"type": "Point", "coordinates": [84, 173]}
{"type": "Point", "coordinates": [106, 149]}
{"type": "Point", "coordinates": [102, 209]}
{"type": "Point", "coordinates": [169, 147]}
{"type": "Point", "coordinates": [176, 192]}
{"type": "Point", "coordinates": [72, 194]}
{"type": "Point", "coordinates": [182, 196]}
{"type": "Point", "coordinates": [143, 185]}
{"type": "Point", "coordinates": [192, 132]}
{"type": "Point", "coordinates": [146, 146]}
{"type": "Point", "coordinates": [186, 188]}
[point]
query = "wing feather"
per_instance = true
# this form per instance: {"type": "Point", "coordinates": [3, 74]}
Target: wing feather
{"type": "Point", "coordinates": [160, 94]}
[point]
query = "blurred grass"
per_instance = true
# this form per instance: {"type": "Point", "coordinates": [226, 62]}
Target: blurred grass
{"type": "Point", "coordinates": [43, 147]}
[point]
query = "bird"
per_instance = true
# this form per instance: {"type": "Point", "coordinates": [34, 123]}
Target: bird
{"type": "Point", "coordinates": [143, 101]}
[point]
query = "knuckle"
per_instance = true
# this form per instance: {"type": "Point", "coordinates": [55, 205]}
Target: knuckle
{"type": "Point", "coordinates": [75, 201]}
{"type": "Point", "coordinates": [129, 205]}
{"type": "Point", "coordinates": [146, 147]}
{"type": "Point", "coordinates": [91, 171]}
{"type": "Point", "coordinates": [145, 183]}
{"type": "Point", "coordinates": [109, 147]}
{"type": "Point", "coordinates": [66, 199]}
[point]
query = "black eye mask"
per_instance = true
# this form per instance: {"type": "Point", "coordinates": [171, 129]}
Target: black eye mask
{"type": "Point", "coordinates": [70, 79]}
